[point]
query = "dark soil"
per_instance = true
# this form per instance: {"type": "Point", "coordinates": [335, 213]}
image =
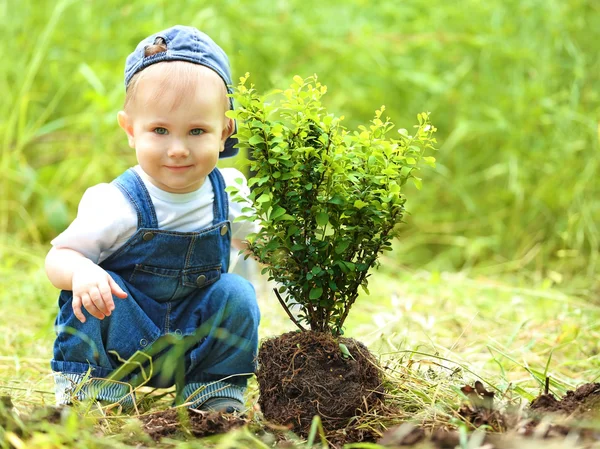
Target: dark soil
{"type": "Point", "coordinates": [584, 402]}
{"type": "Point", "coordinates": [197, 423]}
{"type": "Point", "coordinates": [511, 430]}
{"type": "Point", "coordinates": [578, 409]}
{"type": "Point", "coordinates": [303, 374]}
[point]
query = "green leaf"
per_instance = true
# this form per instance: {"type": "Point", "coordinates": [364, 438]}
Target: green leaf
{"type": "Point", "coordinates": [359, 204]}
{"type": "Point", "coordinates": [255, 140]}
{"type": "Point", "coordinates": [417, 182]}
{"type": "Point", "coordinates": [430, 160]}
{"type": "Point", "coordinates": [277, 212]}
{"type": "Point", "coordinates": [336, 200]}
{"type": "Point", "coordinates": [291, 230]}
{"type": "Point", "coordinates": [315, 293]}
{"type": "Point", "coordinates": [350, 266]}
{"type": "Point", "coordinates": [393, 187]}
{"type": "Point", "coordinates": [342, 266]}
{"type": "Point", "coordinates": [345, 353]}
{"type": "Point", "coordinates": [342, 246]}
{"type": "Point", "coordinates": [322, 218]}
{"type": "Point", "coordinates": [264, 198]}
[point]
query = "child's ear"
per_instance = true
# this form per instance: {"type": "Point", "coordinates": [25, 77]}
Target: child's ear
{"type": "Point", "coordinates": [126, 123]}
{"type": "Point", "coordinates": [228, 129]}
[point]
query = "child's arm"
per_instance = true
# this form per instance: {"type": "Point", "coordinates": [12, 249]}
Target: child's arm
{"type": "Point", "coordinates": [103, 218]}
{"type": "Point", "coordinates": [92, 286]}
{"type": "Point", "coordinates": [239, 244]}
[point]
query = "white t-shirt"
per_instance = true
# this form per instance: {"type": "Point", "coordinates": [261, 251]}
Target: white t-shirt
{"type": "Point", "coordinates": [106, 219]}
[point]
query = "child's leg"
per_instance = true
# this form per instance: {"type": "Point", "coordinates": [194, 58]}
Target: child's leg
{"type": "Point", "coordinates": [224, 318]}
{"type": "Point", "coordinates": [92, 350]}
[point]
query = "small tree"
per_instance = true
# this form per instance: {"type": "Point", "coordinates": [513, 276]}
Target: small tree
{"type": "Point", "coordinates": [328, 200]}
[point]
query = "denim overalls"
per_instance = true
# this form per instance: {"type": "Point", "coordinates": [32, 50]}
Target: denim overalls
{"type": "Point", "coordinates": [178, 289]}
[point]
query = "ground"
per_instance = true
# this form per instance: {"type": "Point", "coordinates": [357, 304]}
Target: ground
{"type": "Point", "coordinates": [433, 333]}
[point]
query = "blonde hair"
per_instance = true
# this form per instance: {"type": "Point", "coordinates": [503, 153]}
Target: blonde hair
{"type": "Point", "coordinates": [182, 76]}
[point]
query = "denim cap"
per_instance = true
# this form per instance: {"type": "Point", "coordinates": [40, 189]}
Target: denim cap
{"type": "Point", "coordinates": [185, 44]}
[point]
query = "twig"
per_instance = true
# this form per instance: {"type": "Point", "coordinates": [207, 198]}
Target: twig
{"type": "Point", "coordinates": [287, 310]}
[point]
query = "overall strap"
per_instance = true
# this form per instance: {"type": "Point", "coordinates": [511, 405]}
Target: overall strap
{"type": "Point", "coordinates": [135, 191]}
{"type": "Point", "coordinates": [221, 200]}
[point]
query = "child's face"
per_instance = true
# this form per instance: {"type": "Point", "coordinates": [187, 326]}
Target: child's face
{"type": "Point", "coordinates": [177, 132]}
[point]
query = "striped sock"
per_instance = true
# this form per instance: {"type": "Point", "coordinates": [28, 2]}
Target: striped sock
{"type": "Point", "coordinates": [70, 386]}
{"type": "Point", "coordinates": [198, 392]}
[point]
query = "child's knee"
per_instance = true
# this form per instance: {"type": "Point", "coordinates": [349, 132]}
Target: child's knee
{"type": "Point", "coordinates": [240, 296]}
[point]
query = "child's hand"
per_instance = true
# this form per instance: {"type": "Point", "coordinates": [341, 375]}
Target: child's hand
{"type": "Point", "coordinates": [94, 288]}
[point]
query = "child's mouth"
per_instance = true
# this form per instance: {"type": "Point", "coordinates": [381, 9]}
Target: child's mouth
{"type": "Point", "coordinates": [178, 168]}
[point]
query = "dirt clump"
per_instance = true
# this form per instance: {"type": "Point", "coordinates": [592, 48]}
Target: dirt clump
{"type": "Point", "coordinates": [545, 403]}
{"type": "Point", "coordinates": [575, 411]}
{"type": "Point", "coordinates": [584, 402]}
{"type": "Point", "coordinates": [172, 421]}
{"type": "Point", "coordinates": [511, 428]}
{"type": "Point", "coordinates": [303, 374]}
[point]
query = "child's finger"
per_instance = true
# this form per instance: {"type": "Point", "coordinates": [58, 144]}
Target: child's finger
{"type": "Point", "coordinates": [77, 309]}
{"type": "Point", "coordinates": [90, 306]}
{"type": "Point", "coordinates": [107, 297]}
{"type": "Point", "coordinates": [116, 288]}
{"type": "Point", "coordinates": [98, 301]}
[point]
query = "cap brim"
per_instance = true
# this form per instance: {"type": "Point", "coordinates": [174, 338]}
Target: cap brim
{"type": "Point", "coordinates": [230, 143]}
{"type": "Point", "coordinates": [230, 150]}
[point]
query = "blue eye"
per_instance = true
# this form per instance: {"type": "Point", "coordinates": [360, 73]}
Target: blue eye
{"type": "Point", "coordinates": [196, 131]}
{"type": "Point", "coordinates": [160, 131]}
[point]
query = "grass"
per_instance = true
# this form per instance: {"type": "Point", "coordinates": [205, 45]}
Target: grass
{"type": "Point", "coordinates": [511, 87]}
{"type": "Point", "coordinates": [434, 333]}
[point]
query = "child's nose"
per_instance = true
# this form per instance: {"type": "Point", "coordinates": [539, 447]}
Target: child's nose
{"type": "Point", "coordinates": [178, 149]}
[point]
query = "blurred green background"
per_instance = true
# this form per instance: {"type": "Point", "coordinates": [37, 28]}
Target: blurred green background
{"type": "Point", "coordinates": [512, 86]}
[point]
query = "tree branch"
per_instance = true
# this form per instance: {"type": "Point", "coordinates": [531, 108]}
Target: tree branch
{"type": "Point", "coordinates": [287, 310]}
